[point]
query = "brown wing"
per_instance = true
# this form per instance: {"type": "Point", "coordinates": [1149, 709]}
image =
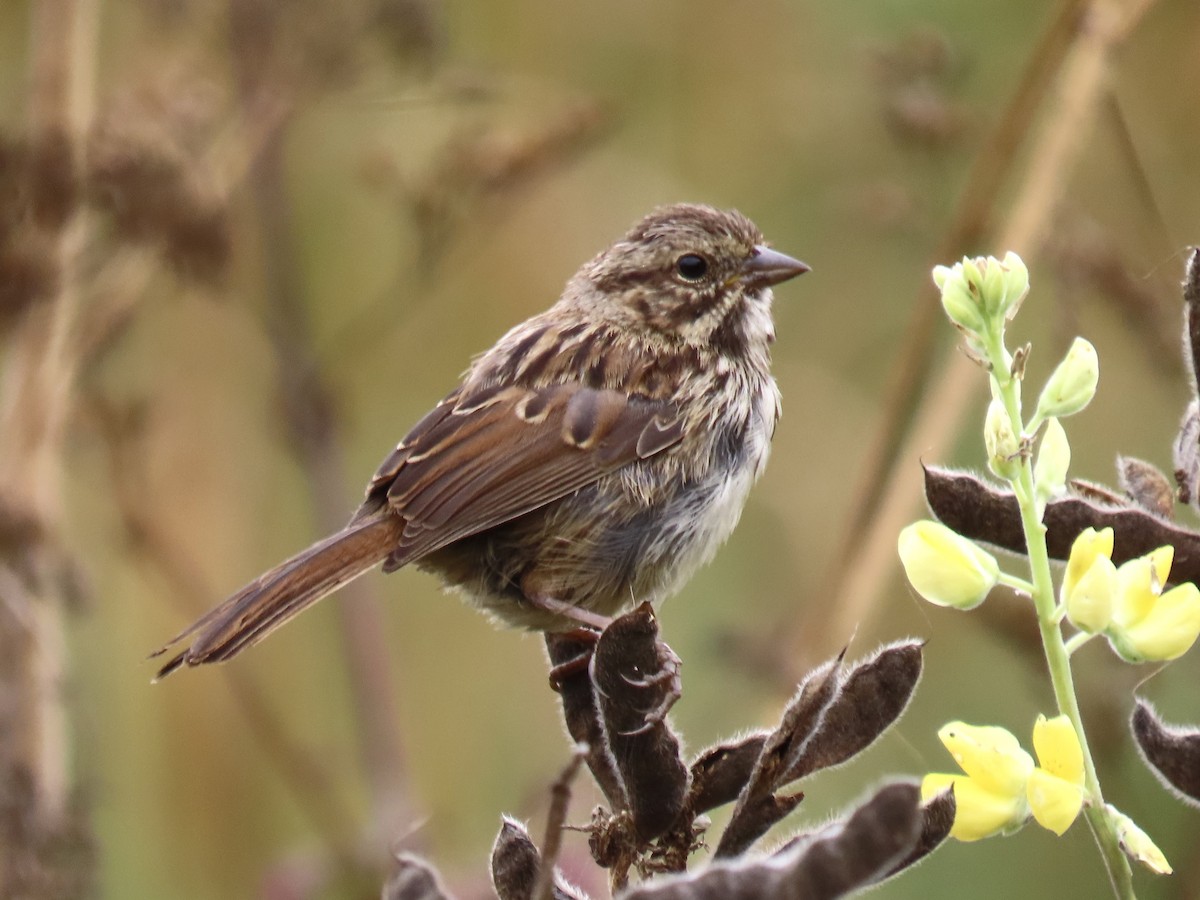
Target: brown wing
{"type": "Point", "coordinates": [476, 462]}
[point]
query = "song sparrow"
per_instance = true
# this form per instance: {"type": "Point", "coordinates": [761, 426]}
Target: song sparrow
{"type": "Point", "coordinates": [594, 458]}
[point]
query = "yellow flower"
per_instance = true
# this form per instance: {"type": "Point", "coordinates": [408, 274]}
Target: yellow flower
{"type": "Point", "coordinates": [1090, 602]}
{"type": "Point", "coordinates": [1167, 631]}
{"type": "Point", "coordinates": [1087, 546]}
{"type": "Point", "coordinates": [1137, 844]}
{"type": "Point", "coordinates": [1055, 788]}
{"type": "Point", "coordinates": [944, 567]}
{"type": "Point", "coordinates": [1139, 582]}
{"type": "Point", "coordinates": [978, 813]}
{"type": "Point", "coordinates": [1148, 624]}
{"type": "Point", "coordinates": [991, 796]}
{"type": "Point", "coordinates": [989, 754]}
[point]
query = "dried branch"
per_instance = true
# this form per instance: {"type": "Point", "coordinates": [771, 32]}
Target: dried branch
{"type": "Point", "coordinates": [412, 878]}
{"type": "Point", "coordinates": [556, 818]}
{"type": "Point", "coordinates": [837, 713]}
{"type": "Point", "coordinates": [981, 511]}
{"type": "Point", "coordinates": [635, 682]}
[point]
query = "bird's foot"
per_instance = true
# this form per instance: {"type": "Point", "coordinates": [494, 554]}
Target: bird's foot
{"type": "Point", "coordinates": [665, 681]}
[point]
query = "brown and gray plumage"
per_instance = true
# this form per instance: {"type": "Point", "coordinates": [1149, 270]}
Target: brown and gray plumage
{"type": "Point", "coordinates": [592, 459]}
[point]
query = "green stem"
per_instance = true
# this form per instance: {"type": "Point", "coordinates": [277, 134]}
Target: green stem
{"type": "Point", "coordinates": [1076, 641]}
{"type": "Point", "coordinates": [1020, 585]}
{"type": "Point", "coordinates": [1057, 657]}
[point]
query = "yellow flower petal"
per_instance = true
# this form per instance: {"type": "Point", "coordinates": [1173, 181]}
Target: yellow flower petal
{"type": "Point", "coordinates": [1054, 802]}
{"type": "Point", "coordinates": [990, 755]}
{"type": "Point", "coordinates": [1090, 600]}
{"type": "Point", "coordinates": [979, 812]}
{"type": "Point", "coordinates": [1168, 629]}
{"type": "Point", "coordinates": [1057, 747]}
{"type": "Point", "coordinates": [1139, 582]}
{"type": "Point", "coordinates": [944, 567]}
{"type": "Point", "coordinates": [1087, 546]}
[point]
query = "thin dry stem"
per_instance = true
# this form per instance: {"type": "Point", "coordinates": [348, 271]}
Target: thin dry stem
{"type": "Point", "coordinates": [556, 818]}
{"type": "Point", "coordinates": [153, 545]}
{"type": "Point", "coordinates": [35, 405]}
{"type": "Point", "coordinates": [912, 369]}
{"type": "Point", "coordinates": [308, 414]}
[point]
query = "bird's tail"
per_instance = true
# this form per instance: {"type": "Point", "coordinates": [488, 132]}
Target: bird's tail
{"type": "Point", "coordinates": [291, 587]}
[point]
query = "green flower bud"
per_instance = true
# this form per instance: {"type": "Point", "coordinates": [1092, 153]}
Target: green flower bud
{"type": "Point", "coordinates": [1137, 844]}
{"type": "Point", "coordinates": [1000, 440]}
{"type": "Point", "coordinates": [1050, 468]}
{"type": "Point", "coordinates": [1073, 384]}
{"type": "Point", "coordinates": [972, 273]}
{"type": "Point", "coordinates": [979, 294]}
{"type": "Point", "coordinates": [1016, 284]}
{"type": "Point", "coordinates": [959, 300]}
{"type": "Point", "coordinates": [944, 567]}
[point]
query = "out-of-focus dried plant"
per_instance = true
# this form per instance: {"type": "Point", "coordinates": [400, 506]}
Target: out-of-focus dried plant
{"type": "Point", "coordinates": [146, 173]}
{"type": "Point", "coordinates": [481, 163]}
{"type": "Point", "coordinates": [916, 75]}
{"type": "Point", "coordinates": [1090, 262]}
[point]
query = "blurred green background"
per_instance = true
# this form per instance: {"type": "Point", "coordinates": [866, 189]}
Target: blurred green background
{"type": "Point", "coordinates": [442, 169]}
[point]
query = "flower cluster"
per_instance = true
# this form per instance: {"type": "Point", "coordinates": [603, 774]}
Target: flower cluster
{"type": "Point", "coordinates": [1126, 603]}
{"type": "Point", "coordinates": [1002, 787]}
{"type": "Point", "coordinates": [1131, 605]}
{"type": "Point", "coordinates": [980, 294]}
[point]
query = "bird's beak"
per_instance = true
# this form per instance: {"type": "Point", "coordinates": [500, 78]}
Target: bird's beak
{"type": "Point", "coordinates": [767, 267]}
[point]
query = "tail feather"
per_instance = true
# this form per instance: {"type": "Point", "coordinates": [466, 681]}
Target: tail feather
{"type": "Point", "coordinates": [291, 587]}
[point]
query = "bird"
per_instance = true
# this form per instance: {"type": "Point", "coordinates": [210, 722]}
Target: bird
{"type": "Point", "coordinates": [593, 459]}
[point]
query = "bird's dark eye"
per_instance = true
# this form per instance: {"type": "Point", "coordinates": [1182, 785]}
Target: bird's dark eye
{"type": "Point", "coordinates": [691, 267]}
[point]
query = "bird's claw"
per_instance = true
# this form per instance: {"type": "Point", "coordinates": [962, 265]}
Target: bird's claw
{"type": "Point", "coordinates": [666, 680]}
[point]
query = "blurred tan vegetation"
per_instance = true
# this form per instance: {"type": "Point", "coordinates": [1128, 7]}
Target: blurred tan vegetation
{"type": "Point", "coordinates": [246, 244]}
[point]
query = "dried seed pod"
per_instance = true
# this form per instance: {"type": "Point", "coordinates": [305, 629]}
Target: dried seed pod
{"type": "Point", "coordinates": [1171, 752]}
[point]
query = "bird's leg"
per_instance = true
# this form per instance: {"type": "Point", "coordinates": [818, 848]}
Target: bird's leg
{"type": "Point", "coordinates": [576, 664]}
{"type": "Point", "coordinates": [585, 617]}
{"type": "Point", "coordinates": [591, 626]}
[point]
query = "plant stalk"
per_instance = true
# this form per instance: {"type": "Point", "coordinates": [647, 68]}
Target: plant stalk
{"type": "Point", "coordinates": [1058, 660]}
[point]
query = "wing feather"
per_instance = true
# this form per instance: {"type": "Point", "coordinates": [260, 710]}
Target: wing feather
{"type": "Point", "coordinates": [480, 464]}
